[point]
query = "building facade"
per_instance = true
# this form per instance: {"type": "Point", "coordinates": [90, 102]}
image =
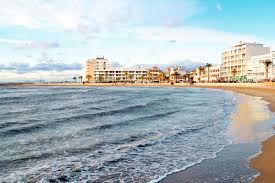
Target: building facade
{"type": "Point", "coordinates": [235, 60]}
{"type": "Point", "coordinates": [256, 71]}
{"type": "Point", "coordinates": [100, 70]}
{"type": "Point", "coordinates": [214, 74]}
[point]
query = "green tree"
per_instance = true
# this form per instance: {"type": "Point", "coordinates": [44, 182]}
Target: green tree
{"type": "Point", "coordinates": [149, 76]}
{"type": "Point", "coordinates": [142, 78]}
{"type": "Point", "coordinates": [201, 68]}
{"type": "Point", "coordinates": [81, 78]}
{"type": "Point", "coordinates": [161, 77]}
{"type": "Point", "coordinates": [267, 63]}
{"type": "Point", "coordinates": [126, 75]}
{"type": "Point", "coordinates": [74, 78]}
{"type": "Point", "coordinates": [88, 77]}
{"type": "Point", "coordinates": [131, 76]}
{"type": "Point", "coordinates": [234, 72]}
{"type": "Point", "coordinates": [176, 75]}
{"type": "Point", "coordinates": [208, 70]}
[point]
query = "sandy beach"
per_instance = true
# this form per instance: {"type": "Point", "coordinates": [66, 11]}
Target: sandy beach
{"type": "Point", "coordinates": [264, 162]}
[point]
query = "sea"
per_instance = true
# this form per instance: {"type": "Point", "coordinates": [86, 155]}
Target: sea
{"type": "Point", "coordinates": [109, 134]}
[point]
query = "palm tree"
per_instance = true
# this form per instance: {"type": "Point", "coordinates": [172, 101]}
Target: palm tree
{"type": "Point", "coordinates": [267, 63]}
{"type": "Point", "coordinates": [161, 76]}
{"type": "Point", "coordinates": [176, 74]}
{"type": "Point", "coordinates": [185, 77]}
{"type": "Point", "coordinates": [105, 76]}
{"type": "Point", "coordinates": [188, 76]}
{"type": "Point", "coordinates": [80, 77]}
{"type": "Point", "coordinates": [100, 78]}
{"type": "Point", "coordinates": [201, 68]}
{"type": "Point", "coordinates": [126, 74]}
{"type": "Point", "coordinates": [208, 68]}
{"type": "Point", "coordinates": [88, 77]}
{"type": "Point", "coordinates": [118, 79]}
{"type": "Point", "coordinates": [234, 72]}
{"type": "Point", "coordinates": [149, 76]}
{"type": "Point", "coordinates": [74, 78]}
{"type": "Point", "coordinates": [142, 77]}
{"type": "Point", "coordinates": [131, 76]}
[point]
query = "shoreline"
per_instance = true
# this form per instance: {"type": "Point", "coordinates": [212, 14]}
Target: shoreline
{"type": "Point", "coordinates": [264, 90]}
{"type": "Point", "coordinates": [264, 162]}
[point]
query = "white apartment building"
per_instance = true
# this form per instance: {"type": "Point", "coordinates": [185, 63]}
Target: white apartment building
{"type": "Point", "coordinates": [101, 70]}
{"type": "Point", "coordinates": [237, 58]}
{"type": "Point", "coordinates": [95, 65]}
{"type": "Point", "coordinates": [256, 71]}
{"type": "Point", "coordinates": [214, 74]}
{"type": "Point", "coordinates": [170, 73]}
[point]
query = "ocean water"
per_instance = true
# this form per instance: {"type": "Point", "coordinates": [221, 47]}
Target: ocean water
{"type": "Point", "coordinates": [58, 134]}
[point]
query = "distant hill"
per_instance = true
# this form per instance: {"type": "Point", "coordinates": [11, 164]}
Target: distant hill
{"type": "Point", "coordinates": [189, 65]}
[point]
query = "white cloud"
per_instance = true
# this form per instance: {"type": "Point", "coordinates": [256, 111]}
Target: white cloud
{"type": "Point", "coordinates": [219, 7]}
{"type": "Point", "coordinates": [63, 14]}
{"type": "Point", "coordinates": [23, 44]}
{"type": "Point", "coordinates": [187, 34]}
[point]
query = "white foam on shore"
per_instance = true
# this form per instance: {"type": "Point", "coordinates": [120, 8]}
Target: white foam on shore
{"type": "Point", "coordinates": [231, 141]}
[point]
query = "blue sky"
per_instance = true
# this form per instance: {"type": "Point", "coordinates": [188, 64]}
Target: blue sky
{"type": "Point", "coordinates": [38, 35]}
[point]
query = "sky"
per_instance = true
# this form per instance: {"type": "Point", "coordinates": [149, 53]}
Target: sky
{"type": "Point", "coordinates": [52, 39]}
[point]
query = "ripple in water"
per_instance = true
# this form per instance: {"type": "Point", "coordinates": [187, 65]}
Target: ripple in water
{"type": "Point", "coordinates": [108, 134]}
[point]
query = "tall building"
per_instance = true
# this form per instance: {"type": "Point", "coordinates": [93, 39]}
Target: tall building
{"type": "Point", "coordinates": [93, 66]}
{"type": "Point", "coordinates": [235, 60]}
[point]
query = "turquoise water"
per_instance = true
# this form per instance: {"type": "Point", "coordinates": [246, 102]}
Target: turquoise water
{"type": "Point", "coordinates": [109, 134]}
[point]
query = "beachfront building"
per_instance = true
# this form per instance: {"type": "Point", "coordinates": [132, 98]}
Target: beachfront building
{"type": "Point", "coordinates": [95, 65]}
{"type": "Point", "coordinates": [175, 74]}
{"type": "Point", "coordinates": [214, 74]}
{"type": "Point", "coordinates": [235, 60]}
{"type": "Point", "coordinates": [153, 74]}
{"type": "Point", "coordinates": [256, 71]}
{"type": "Point", "coordinates": [100, 70]}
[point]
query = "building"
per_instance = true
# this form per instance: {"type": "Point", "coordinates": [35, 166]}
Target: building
{"type": "Point", "coordinates": [101, 70]}
{"type": "Point", "coordinates": [175, 74]}
{"type": "Point", "coordinates": [153, 74]}
{"type": "Point", "coordinates": [256, 71]}
{"type": "Point", "coordinates": [214, 74]}
{"type": "Point", "coordinates": [235, 60]}
{"type": "Point", "coordinates": [95, 65]}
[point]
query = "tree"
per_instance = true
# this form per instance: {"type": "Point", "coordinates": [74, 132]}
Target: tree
{"type": "Point", "coordinates": [126, 74]}
{"type": "Point", "coordinates": [267, 63]}
{"type": "Point", "coordinates": [131, 76]}
{"type": "Point", "coordinates": [234, 72]}
{"type": "Point", "coordinates": [208, 70]}
{"type": "Point", "coordinates": [81, 78]}
{"type": "Point", "coordinates": [176, 75]}
{"type": "Point", "coordinates": [188, 76]}
{"type": "Point", "coordinates": [149, 76]}
{"type": "Point", "coordinates": [100, 78]}
{"type": "Point", "coordinates": [185, 77]}
{"type": "Point", "coordinates": [201, 68]}
{"type": "Point", "coordinates": [105, 76]}
{"type": "Point", "coordinates": [118, 79]}
{"type": "Point", "coordinates": [88, 77]}
{"type": "Point", "coordinates": [161, 76]}
{"type": "Point", "coordinates": [142, 77]}
{"type": "Point", "coordinates": [74, 78]}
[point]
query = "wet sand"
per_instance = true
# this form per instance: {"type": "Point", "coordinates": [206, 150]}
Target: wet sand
{"type": "Point", "coordinates": [264, 162]}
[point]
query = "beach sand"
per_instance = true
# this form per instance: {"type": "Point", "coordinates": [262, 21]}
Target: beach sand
{"type": "Point", "coordinates": [264, 162]}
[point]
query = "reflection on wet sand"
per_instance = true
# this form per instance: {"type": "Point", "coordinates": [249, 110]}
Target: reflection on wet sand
{"type": "Point", "coordinates": [250, 112]}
